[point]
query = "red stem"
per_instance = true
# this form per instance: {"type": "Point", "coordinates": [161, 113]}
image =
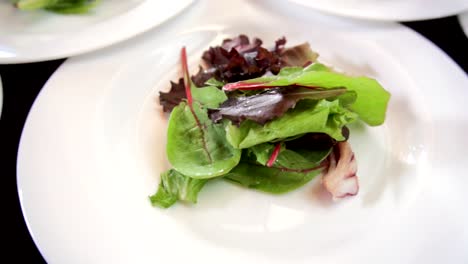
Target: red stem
{"type": "Point", "coordinates": [274, 155]}
{"type": "Point", "coordinates": [188, 92]}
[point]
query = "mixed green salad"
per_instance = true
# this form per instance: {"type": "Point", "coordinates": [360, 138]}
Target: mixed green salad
{"type": "Point", "coordinates": [265, 119]}
{"type": "Point", "coordinates": [58, 6]}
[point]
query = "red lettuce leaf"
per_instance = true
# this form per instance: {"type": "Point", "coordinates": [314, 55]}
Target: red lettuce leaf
{"type": "Point", "coordinates": [241, 44]}
{"type": "Point", "coordinates": [279, 44]}
{"type": "Point", "coordinates": [241, 59]}
{"type": "Point", "coordinates": [171, 99]}
{"type": "Point", "coordinates": [202, 76]}
{"type": "Point", "coordinates": [266, 106]}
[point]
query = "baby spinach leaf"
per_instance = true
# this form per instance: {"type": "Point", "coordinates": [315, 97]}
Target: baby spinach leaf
{"type": "Point", "coordinates": [304, 159]}
{"type": "Point", "coordinates": [195, 146]}
{"type": "Point", "coordinates": [300, 158]}
{"type": "Point", "coordinates": [291, 169]}
{"type": "Point", "coordinates": [174, 187]}
{"type": "Point", "coordinates": [270, 179]}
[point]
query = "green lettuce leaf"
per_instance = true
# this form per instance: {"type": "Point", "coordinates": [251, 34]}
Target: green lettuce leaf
{"type": "Point", "coordinates": [346, 99]}
{"type": "Point", "coordinates": [307, 117]}
{"type": "Point", "coordinates": [174, 187]}
{"type": "Point", "coordinates": [209, 96]}
{"type": "Point", "coordinates": [214, 82]}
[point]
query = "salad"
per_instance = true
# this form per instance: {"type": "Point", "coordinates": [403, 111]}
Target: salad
{"type": "Point", "coordinates": [266, 119]}
{"type": "Point", "coordinates": [58, 6]}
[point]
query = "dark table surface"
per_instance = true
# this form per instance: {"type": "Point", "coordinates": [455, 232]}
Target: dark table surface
{"type": "Point", "coordinates": [22, 83]}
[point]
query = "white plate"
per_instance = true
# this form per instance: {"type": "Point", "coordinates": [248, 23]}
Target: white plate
{"type": "Point", "coordinates": [390, 10]}
{"type": "Point", "coordinates": [463, 19]}
{"type": "Point", "coordinates": [40, 35]}
{"type": "Point", "coordinates": [94, 144]}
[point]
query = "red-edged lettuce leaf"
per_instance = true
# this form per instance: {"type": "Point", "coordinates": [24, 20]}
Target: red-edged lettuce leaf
{"type": "Point", "coordinates": [266, 106]}
{"type": "Point", "coordinates": [371, 101]}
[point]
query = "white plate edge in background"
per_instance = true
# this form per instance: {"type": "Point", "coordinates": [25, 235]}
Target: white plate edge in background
{"type": "Point", "coordinates": [463, 20]}
{"type": "Point", "coordinates": [395, 14]}
{"type": "Point", "coordinates": [1, 97]}
{"type": "Point", "coordinates": [141, 18]}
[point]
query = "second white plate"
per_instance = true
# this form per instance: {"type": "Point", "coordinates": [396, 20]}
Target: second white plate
{"type": "Point", "coordinates": [40, 35]}
{"type": "Point", "coordinates": [1, 96]}
{"type": "Point", "coordinates": [390, 10]}
{"type": "Point", "coordinates": [463, 19]}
